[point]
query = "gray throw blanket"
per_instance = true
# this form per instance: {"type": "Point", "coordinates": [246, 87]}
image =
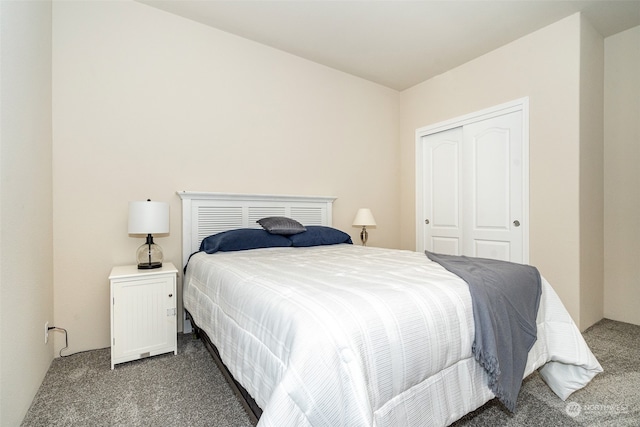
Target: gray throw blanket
{"type": "Point", "coordinates": [505, 297]}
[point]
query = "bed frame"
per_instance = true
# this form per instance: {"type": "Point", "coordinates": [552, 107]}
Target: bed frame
{"type": "Point", "coordinates": [204, 214]}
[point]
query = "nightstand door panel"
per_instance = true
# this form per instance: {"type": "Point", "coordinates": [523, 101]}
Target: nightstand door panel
{"type": "Point", "coordinates": [144, 317]}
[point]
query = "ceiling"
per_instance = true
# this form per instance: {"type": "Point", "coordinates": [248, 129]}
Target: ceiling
{"type": "Point", "coordinates": [395, 43]}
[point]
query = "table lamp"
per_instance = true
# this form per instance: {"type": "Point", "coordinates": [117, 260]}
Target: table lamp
{"type": "Point", "coordinates": [364, 218]}
{"type": "Point", "coordinates": [149, 217]}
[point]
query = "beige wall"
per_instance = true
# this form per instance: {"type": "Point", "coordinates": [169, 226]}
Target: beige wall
{"type": "Point", "coordinates": [26, 264]}
{"type": "Point", "coordinates": [622, 176]}
{"type": "Point", "coordinates": [146, 103]}
{"type": "Point", "coordinates": [545, 66]}
{"type": "Point", "coordinates": [591, 217]}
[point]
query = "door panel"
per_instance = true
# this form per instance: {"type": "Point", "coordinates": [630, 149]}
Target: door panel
{"type": "Point", "coordinates": [442, 204]}
{"type": "Point", "coordinates": [490, 153]}
{"type": "Point", "coordinates": [492, 158]}
{"type": "Point", "coordinates": [492, 249]}
{"type": "Point", "coordinates": [144, 316]}
{"type": "Point", "coordinates": [445, 245]}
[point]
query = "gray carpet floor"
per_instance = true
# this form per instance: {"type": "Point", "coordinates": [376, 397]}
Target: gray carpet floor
{"type": "Point", "coordinates": [188, 390]}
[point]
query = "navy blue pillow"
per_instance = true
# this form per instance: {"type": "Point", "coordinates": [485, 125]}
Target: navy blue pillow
{"type": "Point", "coordinates": [242, 239]}
{"type": "Point", "coordinates": [317, 235]}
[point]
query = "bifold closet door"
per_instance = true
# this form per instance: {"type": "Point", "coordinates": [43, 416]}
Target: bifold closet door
{"type": "Point", "coordinates": [473, 183]}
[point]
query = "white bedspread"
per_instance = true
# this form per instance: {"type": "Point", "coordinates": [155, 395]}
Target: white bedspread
{"type": "Point", "coordinates": [346, 335]}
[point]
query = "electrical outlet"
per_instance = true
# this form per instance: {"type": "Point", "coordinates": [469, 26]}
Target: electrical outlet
{"type": "Point", "coordinates": [46, 332]}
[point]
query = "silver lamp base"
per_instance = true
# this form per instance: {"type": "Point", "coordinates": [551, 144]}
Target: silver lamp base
{"type": "Point", "coordinates": [364, 236]}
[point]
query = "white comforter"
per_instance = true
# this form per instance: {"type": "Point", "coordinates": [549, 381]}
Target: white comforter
{"type": "Point", "coordinates": [346, 335]}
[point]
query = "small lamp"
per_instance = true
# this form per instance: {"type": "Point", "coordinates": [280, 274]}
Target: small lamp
{"type": "Point", "coordinates": [364, 218]}
{"type": "Point", "coordinates": [148, 217]}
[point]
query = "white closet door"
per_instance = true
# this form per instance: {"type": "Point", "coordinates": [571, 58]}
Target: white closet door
{"type": "Point", "coordinates": [473, 201]}
{"type": "Point", "coordinates": [442, 201]}
{"type": "Point", "coordinates": [492, 188]}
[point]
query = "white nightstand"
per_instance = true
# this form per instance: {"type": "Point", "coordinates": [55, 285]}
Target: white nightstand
{"type": "Point", "coordinates": [143, 312]}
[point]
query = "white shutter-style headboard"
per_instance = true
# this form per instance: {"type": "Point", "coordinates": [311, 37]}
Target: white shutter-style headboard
{"type": "Point", "coordinates": [204, 214]}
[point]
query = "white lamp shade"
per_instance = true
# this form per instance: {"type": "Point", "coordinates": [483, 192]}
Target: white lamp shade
{"type": "Point", "coordinates": [364, 217]}
{"type": "Point", "coordinates": [148, 217]}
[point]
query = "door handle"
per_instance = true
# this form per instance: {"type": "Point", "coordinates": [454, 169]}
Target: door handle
{"type": "Point", "coordinates": [516, 223]}
{"type": "Point", "coordinates": [426, 221]}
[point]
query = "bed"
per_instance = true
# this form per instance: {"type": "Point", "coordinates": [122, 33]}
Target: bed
{"type": "Point", "coordinates": [345, 335]}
